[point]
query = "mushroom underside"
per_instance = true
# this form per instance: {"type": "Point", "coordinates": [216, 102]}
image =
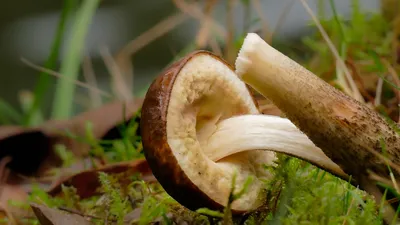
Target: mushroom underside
{"type": "Point", "coordinates": [200, 126]}
{"type": "Point", "coordinates": [205, 92]}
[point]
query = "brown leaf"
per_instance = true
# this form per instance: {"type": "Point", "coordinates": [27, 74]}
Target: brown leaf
{"type": "Point", "coordinates": [31, 149]}
{"type": "Point", "coordinates": [103, 120]}
{"type": "Point", "coordinates": [49, 216]}
{"type": "Point", "coordinates": [12, 192]}
{"type": "Point", "coordinates": [26, 148]}
{"type": "Point", "coordinates": [7, 131]}
{"type": "Point", "coordinates": [87, 182]}
{"type": "Point", "coordinates": [15, 193]}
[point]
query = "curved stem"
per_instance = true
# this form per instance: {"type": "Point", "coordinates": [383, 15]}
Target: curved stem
{"type": "Point", "coordinates": [265, 132]}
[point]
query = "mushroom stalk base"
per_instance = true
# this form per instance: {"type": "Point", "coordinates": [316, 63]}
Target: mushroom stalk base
{"type": "Point", "coordinates": [270, 133]}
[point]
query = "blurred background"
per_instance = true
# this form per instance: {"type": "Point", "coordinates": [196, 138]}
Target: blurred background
{"type": "Point", "coordinates": [27, 30]}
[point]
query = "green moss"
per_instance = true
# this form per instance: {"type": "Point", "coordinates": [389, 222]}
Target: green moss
{"type": "Point", "coordinates": [312, 196]}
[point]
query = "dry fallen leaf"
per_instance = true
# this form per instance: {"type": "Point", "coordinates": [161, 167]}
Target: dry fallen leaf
{"type": "Point", "coordinates": [10, 211]}
{"type": "Point", "coordinates": [49, 216]}
{"type": "Point", "coordinates": [31, 149]}
{"type": "Point", "coordinates": [27, 148]}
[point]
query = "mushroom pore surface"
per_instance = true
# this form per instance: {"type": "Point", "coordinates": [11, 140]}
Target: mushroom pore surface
{"type": "Point", "coordinates": [180, 112]}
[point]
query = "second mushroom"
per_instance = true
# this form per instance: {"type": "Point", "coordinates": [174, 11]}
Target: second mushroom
{"type": "Point", "coordinates": [200, 125]}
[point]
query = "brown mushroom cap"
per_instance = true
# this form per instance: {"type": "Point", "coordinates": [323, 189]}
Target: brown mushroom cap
{"type": "Point", "coordinates": [179, 113]}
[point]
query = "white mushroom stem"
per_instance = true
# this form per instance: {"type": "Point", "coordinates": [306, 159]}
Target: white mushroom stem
{"type": "Point", "coordinates": [349, 132]}
{"type": "Point", "coordinates": [265, 132]}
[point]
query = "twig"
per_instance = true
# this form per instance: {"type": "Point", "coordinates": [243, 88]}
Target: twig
{"type": "Point", "coordinates": [396, 80]}
{"type": "Point", "coordinates": [90, 77]}
{"type": "Point", "coordinates": [123, 57]}
{"type": "Point", "coordinates": [78, 213]}
{"type": "Point", "coordinates": [229, 45]}
{"type": "Point", "coordinates": [395, 77]}
{"type": "Point", "coordinates": [264, 24]}
{"type": "Point", "coordinates": [376, 177]}
{"type": "Point", "coordinates": [341, 80]}
{"type": "Point", "coordinates": [393, 200]}
{"type": "Point", "coordinates": [118, 83]}
{"type": "Point", "coordinates": [58, 75]}
{"type": "Point", "coordinates": [277, 198]}
{"type": "Point", "coordinates": [215, 46]}
{"type": "Point", "coordinates": [355, 92]}
{"type": "Point", "coordinates": [358, 78]}
{"type": "Point", "coordinates": [396, 187]}
{"type": "Point", "coordinates": [378, 95]}
{"type": "Point", "coordinates": [150, 35]}
{"type": "Point", "coordinates": [204, 31]}
{"type": "Point", "coordinates": [194, 11]}
{"type": "Point", "coordinates": [282, 17]}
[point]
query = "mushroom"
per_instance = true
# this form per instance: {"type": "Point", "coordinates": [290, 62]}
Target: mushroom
{"type": "Point", "coordinates": [347, 131]}
{"type": "Point", "coordinates": [200, 125]}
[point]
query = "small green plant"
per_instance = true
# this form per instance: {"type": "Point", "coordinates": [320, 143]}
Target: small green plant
{"type": "Point", "coordinates": [115, 203]}
{"type": "Point", "coordinates": [39, 196]}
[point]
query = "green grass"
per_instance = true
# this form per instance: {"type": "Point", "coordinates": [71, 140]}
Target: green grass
{"type": "Point", "coordinates": [44, 79]}
{"type": "Point", "coordinates": [9, 115]}
{"type": "Point", "coordinates": [63, 102]}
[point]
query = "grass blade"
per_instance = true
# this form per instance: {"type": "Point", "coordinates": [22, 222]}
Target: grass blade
{"type": "Point", "coordinates": [63, 101]}
{"type": "Point", "coordinates": [26, 99]}
{"type": "Point", "coordinates": [9, 115]}
{"type": "Point", "coordinates": [44, 79]}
